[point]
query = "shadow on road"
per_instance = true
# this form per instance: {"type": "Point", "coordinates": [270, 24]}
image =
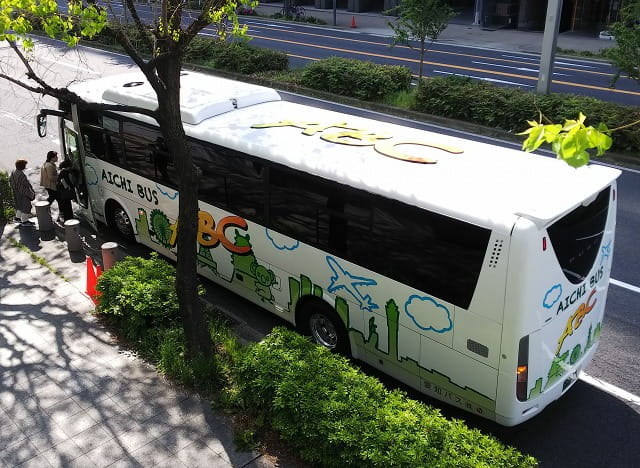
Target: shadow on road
{"type": "Point", "coordinates": [586, 428]}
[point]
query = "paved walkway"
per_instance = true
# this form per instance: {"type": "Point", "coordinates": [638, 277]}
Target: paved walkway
{"type": "Point", "coordinates": [458, 32]}
{"type": "Point", "coordinates": [69, 396]}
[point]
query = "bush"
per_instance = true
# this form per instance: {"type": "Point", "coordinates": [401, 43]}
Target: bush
{"type": "Point", "coordinates": [509, 108]}
{"type": "Point", "coordinates": [7, 210]}
{"type": "Point", "coordinates": [355, 78]}
{"type": "Point", "coordinates": [202, 374]}
{"type": "Point", "coordinates": [337, 416]}
{"type": "Point", "coordinates": [239, 57]}
{"type": "Point", "coordinates": [138, 294]}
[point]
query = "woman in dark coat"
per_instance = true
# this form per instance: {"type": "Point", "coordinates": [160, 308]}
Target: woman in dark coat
{"type": "Point", "coordinates": [23, 193]}
{"type": "Point", "coordinates": [66, 189]}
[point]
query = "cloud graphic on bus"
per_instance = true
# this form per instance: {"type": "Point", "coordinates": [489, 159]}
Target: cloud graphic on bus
{"type": "Point", "coordinates": [552, 296]}
{"type": "Point", "coordinates": [281, 242]}
{"type": "Point", "coordinates": [166, 194]}
{"type": "Point", "coordinates": [428, 314]}
{"type": "Point", "coordinates": [90, 174]}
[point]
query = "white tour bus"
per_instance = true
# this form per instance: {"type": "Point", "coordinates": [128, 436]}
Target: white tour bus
{"type": "Point", "coordinates": [473, 273]}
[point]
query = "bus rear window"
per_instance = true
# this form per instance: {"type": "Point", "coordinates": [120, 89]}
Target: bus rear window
{"type": "Point", "coordinates": [576, 237]}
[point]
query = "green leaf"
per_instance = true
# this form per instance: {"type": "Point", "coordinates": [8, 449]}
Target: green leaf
{"type": "Point", "coordinates": [551, 132]}
{"type": "Point", "coordinates": [536, 138]}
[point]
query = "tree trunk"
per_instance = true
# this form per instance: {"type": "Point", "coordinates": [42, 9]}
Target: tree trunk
{"type": "Point", "coordinates": [198, 340]}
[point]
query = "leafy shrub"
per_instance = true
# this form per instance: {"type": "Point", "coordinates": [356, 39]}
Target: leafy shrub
{"type": "Point", "coordinates": [240, 57]}
{"type": "Point", "coordinates": [200, 50]}
{"type": "Point", "coordinates": [7, 210]}
{"type": "Point", "coordinates": [138, 294]}
{"type": "Point", "coordinates": [312, 20]}
{"type": "Point", "coordinates": [337, 416]}
{"type": "Point", "coordinates": [200, 373]}
{"type": "Point", "coordinates": [509, 108]}
{"type": "Point", "coordinates": [355, 78]}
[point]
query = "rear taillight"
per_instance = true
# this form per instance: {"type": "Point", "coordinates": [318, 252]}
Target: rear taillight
{"type": "Point", "coordinates": [522, 370]}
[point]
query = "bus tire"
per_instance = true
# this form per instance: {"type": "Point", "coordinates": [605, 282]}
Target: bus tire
{"type": "Point", "coordinates": [319, 321]}
{"type": "Point", "coordinates": [118, 219]}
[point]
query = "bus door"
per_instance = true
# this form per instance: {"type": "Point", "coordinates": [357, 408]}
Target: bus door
{"type": "Point", "coordinates": [73, 151]}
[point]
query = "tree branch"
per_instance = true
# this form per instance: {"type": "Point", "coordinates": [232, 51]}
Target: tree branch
{"type": "Point", "coordinates": [63, 94]}
{"type": "Point", "coordinates": [31, 74]}
{"type": "Point", "coordinates": [124, 41]}
{"type": "Point", "coordinates": [202, 21]}
{"type": "Point", "coordinates": [142, 29]}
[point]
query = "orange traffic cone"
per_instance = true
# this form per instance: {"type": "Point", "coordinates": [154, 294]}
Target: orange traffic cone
{"type": "Point", "coordinates": [353, 21]}
{"type": "Point", "coordinates": [92, 279]}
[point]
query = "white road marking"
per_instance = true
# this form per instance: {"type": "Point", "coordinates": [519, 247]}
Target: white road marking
{"type": "Point", "coordinates": [534, 59]}
{"type": "Point", "coordinates": [16, 118]}
{"type": "Point", "coordinates": [73, 66]}
{"type": "Point", "coordinates": [532, 70]}
{"type": "Point", "coordinates": [611, 389]}
{"type": "Point", "coordinates": [493, 80]}
{"type": "Point", "coordinates": [622, 284]}
{"type": "Point", "coordinates": [269, 25]}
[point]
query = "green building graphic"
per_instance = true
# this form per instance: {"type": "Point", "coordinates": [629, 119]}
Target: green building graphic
{"type": "Point", "coordinates": [562, 363]}
{"type": "Point", "coordinates": [434, 382]}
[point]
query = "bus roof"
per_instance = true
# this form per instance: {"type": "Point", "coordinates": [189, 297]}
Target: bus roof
{"type": "Point", "coordinates": [484, 184]}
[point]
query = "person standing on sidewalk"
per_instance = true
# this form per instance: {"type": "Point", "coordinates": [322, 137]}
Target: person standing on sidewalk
{"type": "Point", "coordinates": [49, 176]}
{"type": "Point", "coordinates": [23, 193]}
{"type": "Point", "coordinates": [67, 180]}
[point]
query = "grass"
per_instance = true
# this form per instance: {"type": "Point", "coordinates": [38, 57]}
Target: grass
{"type": "Point", "coordinates": [38, 259]}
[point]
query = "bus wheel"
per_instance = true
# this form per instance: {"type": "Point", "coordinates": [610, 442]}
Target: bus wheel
{"type": "Point", "coordinates": [119, 219]}
{"type": "Point", "coordinates": [321, 323]}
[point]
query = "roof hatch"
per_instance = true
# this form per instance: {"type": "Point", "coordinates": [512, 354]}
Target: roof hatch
{"type": "Point", "coordinates": [205, 96]}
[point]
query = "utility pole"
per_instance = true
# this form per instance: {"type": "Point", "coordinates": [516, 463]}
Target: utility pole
{"type": "Point", "coordinates": [549, 41]}
{"type": "Point", "coordinates": [478, 13]}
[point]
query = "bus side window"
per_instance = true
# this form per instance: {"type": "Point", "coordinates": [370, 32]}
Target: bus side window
{"type": "Point", "coordinates": [138, 141]}
{"type": "Point", "coordinates": [358, 216]}
{"type": "Point", "coordinates": [298, 206]}
{"type": "Point", "coordinates": [212, 180]}
{"type": "Point", "coordinates": [94, 144]}
{"type": "Point", "coordinates": [246, 195]}
{"type": "Point", "coordinates": [428, 251]}
{"type": "Point", "coordinates": [164, 170]}
{"type": "Point", "coordinates": [114, 152]}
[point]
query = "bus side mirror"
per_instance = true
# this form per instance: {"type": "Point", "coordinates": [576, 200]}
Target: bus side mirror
{"type": "Point", "coordinates": [41, 123]}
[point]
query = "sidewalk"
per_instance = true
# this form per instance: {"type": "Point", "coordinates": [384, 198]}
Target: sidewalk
{"type": "Point", "coordinates": [69, 396]}
{"type": "Point", "coordinates": [456, 33]}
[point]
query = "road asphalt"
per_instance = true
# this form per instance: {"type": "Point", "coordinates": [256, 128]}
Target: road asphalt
{"type": "Point", "coordinates": [69, 395]}
{"type": "Point", "coordinates": [460, 31]}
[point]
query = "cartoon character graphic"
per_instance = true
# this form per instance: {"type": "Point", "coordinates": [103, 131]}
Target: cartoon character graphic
{"type": "Point", "coordinates": [249, 272]}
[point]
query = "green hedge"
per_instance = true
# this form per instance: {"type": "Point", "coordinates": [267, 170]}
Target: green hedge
{"type": "Point", "coordinates": [509, 108]}
{"type": "Point", "coordinates": [337, 416]}
{"type": "Point", "coordinates": [240, 57]}
{"type": "Point", "coordinates": [7, 211]}
{"type": "Point", "coordinates": [355, 78]}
